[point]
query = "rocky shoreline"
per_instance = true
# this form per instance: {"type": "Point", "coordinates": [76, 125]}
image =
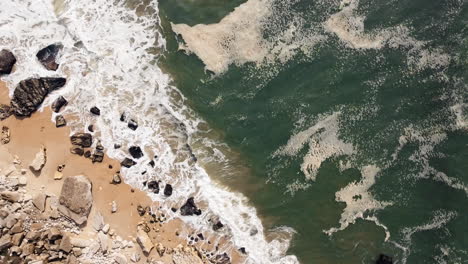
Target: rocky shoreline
{"type": "Point", "coordinates": [57, 207]}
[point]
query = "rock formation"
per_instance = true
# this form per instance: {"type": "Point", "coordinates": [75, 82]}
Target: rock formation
{"type": "Point", "coordinates": [30, 93]}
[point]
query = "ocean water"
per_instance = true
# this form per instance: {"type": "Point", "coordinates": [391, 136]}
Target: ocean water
{"type": "Point", "coordinates": [317, 131]}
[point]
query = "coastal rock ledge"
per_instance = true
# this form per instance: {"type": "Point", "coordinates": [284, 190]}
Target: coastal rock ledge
{"type": "Point", "coordinates": [76, 198]}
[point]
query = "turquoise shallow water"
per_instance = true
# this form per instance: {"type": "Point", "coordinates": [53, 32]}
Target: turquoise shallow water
{"type": "Point", "coordinates": [399, 107]}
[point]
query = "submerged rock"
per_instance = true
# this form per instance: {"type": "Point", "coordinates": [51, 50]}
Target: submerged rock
{"type": "Point", "coordinates": [48, 55]}
{"type": "Point", "coordinates": [136, 152]}
{"type": "Point", "coordinates": [84, 140]}
{"type": "Point", "coordinates": [76, 199]}
{"type": "Point", "coordinates": [58, 104]}
{"type": "Point", "coordinates": [217, 225]}
{"type": "Point", "coordinates": [384, 259]}
{"type": "Point", "coordinates": [7, 61]}
{"type": "Point", "coordinates": [189, 208]}
{"type": "Point", "coordinates": [95, 111]}
{"type": "Point", "coordinates": [30, 93]}
{"type": "Point", "coordinates": [127, 163]}
{"type": "Point", "coordinates": [60, 121]}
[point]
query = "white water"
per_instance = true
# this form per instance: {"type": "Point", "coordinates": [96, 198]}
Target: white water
{"type": "Point", "coordinates": [107, 64]}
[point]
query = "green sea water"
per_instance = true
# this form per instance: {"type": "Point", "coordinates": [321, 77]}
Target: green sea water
{"type": "Point", "coordinates": [401, 107]}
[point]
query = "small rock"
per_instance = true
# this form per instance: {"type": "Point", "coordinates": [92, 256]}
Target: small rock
{"type": "Point", "coordinates": [58, 104]}
{"type": "Point", "coordinates": [91, 128]}
{"type": "Point", "coordinates": [87, 154]}
{"type": "Point", "coordinates": [116, 178]}
{"type": "Point", "coordinates": [120, 259]}
{"type": "Point", "coordinates": [77, 252]}
{"type": "Point", "coordinates": [48, 55]}
{"type": "Point", "coordinates": [98, 221]}
{"type": "Point", "coordinates": [61, 167]}
{"type": "Point", "coordinates": [113, 207]}
{"type": "Point", "coordinates": [58, 175]}
{"type": "Point", "coordinates": [141, 210]}
{"type": "Point", "coordinates": [104, 242]}
{"type": "Point", "coordinates": [144, 241]}
{"type": "Point", "coordinates": [10, 196]}
{"type": "Point", "coordinates": [22, 180]}
{"type": "Point", "coordinates": [5, 242]}
{"type": "Point", "coordinates": [7, 61]}
{"type": "Point", "coordinates": [84, 140]}
{"type": "Point", "coordinates": [5, 139]}
{"type": "Point", "coordinates": [105, 228]}
{"type": "Point", "coordinates": [98, 156]}
{"type": "Point", "coordinates": [132, 124]}
{"type": "Point", "coordinates": [39, 201]}
{"type": "Point", "coordinates": [135, 257]}
{"type": "Point", "coordinates": [53, 234]}
{"type": "Point", "coordinates": [77, 151]}
{"type": "Point", "coordinates": [218, 225]}
{"type": "Point", "coordinates": [16, 239]}
{"type": "Point", "coordinates": [95, 111]}
{"type": "Point", "coordinates": [60, 121]}
{"type": "Point", "coordinates": [79, 242]}
{"type": "Point", "coordinates": [127, 163]}
{"type": "Point", "coordinates": [33, 236]}
{"type": "Point", "coordinates": [39, 161]}
{"type": "Point", "coordinates": [65, 244]}
{"type": "Point", "coordinates": [161, 249]}
{"type": "Point", "coordinates": [168, 190]}
{"type": "Point", "coordinates": [136, 152]}
{"type": "Point", "coordinates": [153, 186]}
{"type": "Point", "coordinates": [5, 111]}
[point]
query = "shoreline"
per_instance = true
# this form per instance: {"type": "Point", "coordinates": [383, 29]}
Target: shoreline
{"type": "Point", "coordinates": [28, 135]}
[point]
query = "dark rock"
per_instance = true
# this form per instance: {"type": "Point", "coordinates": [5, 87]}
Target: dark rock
{"type": "Point", "coordinates": [222, 259]}
{"type": "Point", "coordinates": [168, 190]}
{"type": "Point", "coordinates": [48, 55]}
{"type": "Point", "coordinates": [87, 154]}
{"type": "Point", "coordinates": [117, 146]}
{"type": "Point", "coordinates": [174, 209]}
{"type": "Point", "coordinates": [98, 156]}
{"type": "Point", "coordinates": [200, 235]}
{"type": "Point", "coordinates": [384, 259]}
{"type": "Point", "coordinates": [132, 124]}
{"type": "Point", "coordinates": [99, 146]}
{"type": "Point", "coordinates": [217, 226]}
{"type": "Point", "coordinates": [189, 208]}
{"type": "Point", "coordinates": [135, 152]}
{"type": "Point", "coordinates": [58, 104]}
{"type": "Point", "coordinates": [84, 140]}
{"type": "Point", "coordinates": [153, 186]}
{"type": "Point", "coordinates": [60, 121]}
{"type": "Point", "coordinates": [30, 93]}
{"type": "Point", "coordinates": [151, 163]}
{"type": "Point", "coordinates": [94, 110]}
{"type": "Point", "coordinates": [242, 250]}
{"type": "Point", "coordinates": [7, 61]}
{"type": "Point", "coordinates": [77, 150]}
{"type": "Point", "coordinates": [141, 210]}
{"type": "Point", "coordinates": [91, 128]}
{"type": "Point", "coordinates": [127, 163]}
{"type": "Point", "coordinates": [5, 112]}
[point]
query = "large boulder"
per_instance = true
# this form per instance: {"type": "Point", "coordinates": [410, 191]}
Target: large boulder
{"type": "Point", "coordinates": [189, 208]}
{"type": "Point", "coordinates": [48, 55]}
{"type": "Point", "coordinates": [76, 199]}
{"type": "Point", "coordinates": [30, 93]}
{"type": "Point", "coordinates": [7, 61]}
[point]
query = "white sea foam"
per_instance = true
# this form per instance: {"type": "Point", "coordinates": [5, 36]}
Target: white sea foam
{"type": "Point", "coordinates": [107, 64]}
{"type": "Point", "coordinates": [323, 142]}
{"type": "Point", "coordinates": [359, 200]}
{"type": "Point", "coordinates": [239, 38]}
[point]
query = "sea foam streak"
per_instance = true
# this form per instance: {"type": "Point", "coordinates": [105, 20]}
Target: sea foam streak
{"type": "Point", "coordinates": [107, 64]}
